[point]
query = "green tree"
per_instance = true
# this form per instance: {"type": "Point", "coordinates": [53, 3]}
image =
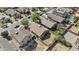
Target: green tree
{"type": "Point", "coordinates": [34, 8]}
{"type": "Point", "coordinates": [57, 31]}
{"type": "Point", "coordinates": [24, 22]}
{"type": "Point", "coordinates": [35, 16]}
{"type": "Point", "coordinates": [67, 21]}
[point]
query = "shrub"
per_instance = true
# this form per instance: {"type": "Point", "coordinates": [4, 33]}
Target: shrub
{"type": "Point", "coordinates": [24, 22]}
{"type": "Point", "coordinates": [35, 16]}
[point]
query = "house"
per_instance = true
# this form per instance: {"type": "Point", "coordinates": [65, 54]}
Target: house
{"type": "Point", "coordinates": [11, 12]}
{"type": "Point", "coordinates": [38, 29]}
{"type": "Point", "coordinates": [71, 38]}
{"type": "Point", "coordinates": [56, 18]}
{"type": "Point", "coordinates": [2, 15]}
{"type": "Point", "coordinates": [6, 46]}
{"type": "Point", "coordinates": [62, 10]}
{"type": "Point", "coordinates": [74, 29]}
{"type": "Point", "coordinates": [51, 10]}
{"type": "Point", "coordinates": [47, 23]}
{"type": "Point", "coordinates": [24, 10]}
{"type": "Point", "coordinates": [23, 37]}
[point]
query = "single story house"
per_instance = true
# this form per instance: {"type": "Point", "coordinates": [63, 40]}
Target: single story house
{"type": "Point", "coordinates": [3, 15]}
{"type": "Point", "coordinates": [71, 38]}
{"type": "Point", "coordinates": [55, 17]}
{"type": "Point", "coordinates": [22, 9]}
{"type": "Point", "coordinates": [47, 23]}
{"type": "Point", "coordinates": [11, 12]}
{"type": "Point", "coordinates": [62, 10]}
{"type": "Point", "coordinates": [38, 29]}
{"type": "Point", "coordinates": [23, 37]}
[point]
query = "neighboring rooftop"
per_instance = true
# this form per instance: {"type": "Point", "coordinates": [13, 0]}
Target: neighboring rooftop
{"type": "Point", "coordinates": [47, 23]}
{"type": "Point", "coordinates": [62, 10]}
{"type": "Point", "coordinates": [71, 38]}
{"type": "Point", "coordinates": [11, 12]}
{"type": "Point", "coordinates": [20, 34]}
{"type": "Point", "coordinates": [22, 9]}
{"type": "Point", "coordinates": [2, 15]}
{"type": "Point", "coordinates": [55, 17]}
{"type": "Point", "coordinates": [37, 28]}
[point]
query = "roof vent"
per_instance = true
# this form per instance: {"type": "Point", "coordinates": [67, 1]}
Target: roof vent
{"type": "Point", "coordinates": [16, 33]}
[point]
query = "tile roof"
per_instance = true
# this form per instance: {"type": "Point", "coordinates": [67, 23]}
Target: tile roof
{"type": "Point", "coordinates": [21, 34]}
{"type": "Point", "coordinates": [11, 12]}
{"type": "Point", "coordinates": [47, 23]}
{"type": "Point", "coordinates": [55, 17]}
{"type": "Point", "coordinates": [70, 37]}
{"type": "Point", "coordinates": [37, 28]}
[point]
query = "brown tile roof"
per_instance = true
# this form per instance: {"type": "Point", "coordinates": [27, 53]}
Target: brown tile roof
{"type": "Point", "coordinates": [20, 34]}
{"type": "Point", "coordinates": [37, 28]}
{"type": "Point", "coordinates": [55, 17]}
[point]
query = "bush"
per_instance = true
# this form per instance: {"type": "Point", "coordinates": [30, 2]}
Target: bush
{"type": "Point", "coordinates": [24, 22]}
{"type": "Point", "coordinates": [54, 28]}
{"type": "Point", "coordinates": [67, 21]}
{"type": "Point", "coordinates": [35, 16]}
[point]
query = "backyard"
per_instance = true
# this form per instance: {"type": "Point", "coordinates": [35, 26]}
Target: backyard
{"type": "Point", "coordinates": [58, 32]}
